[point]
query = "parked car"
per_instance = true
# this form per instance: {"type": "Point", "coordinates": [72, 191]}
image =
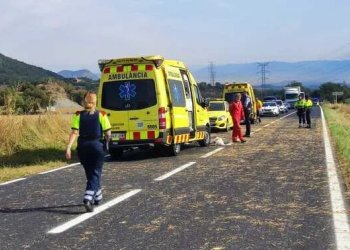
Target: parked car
{"type": "Point", "coordinates": [270, 108]}
{"type": "Point", "coordinates": [288, 106]}
{"type": "Point", "coordinates": [270, 99]}
{"type": "Point", "coordinates": [281, 106]}
{"type": "Point", "coordinates": [219, 115]}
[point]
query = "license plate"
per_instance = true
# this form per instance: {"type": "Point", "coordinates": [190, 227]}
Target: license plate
{"type": "Point", "coordinates": [118, 136]}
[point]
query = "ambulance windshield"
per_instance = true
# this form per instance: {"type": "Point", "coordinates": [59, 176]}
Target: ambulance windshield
{"type": "Point", "coordinates": [129, 95]}
{"type": "Point", "coordinates": [216, 106]}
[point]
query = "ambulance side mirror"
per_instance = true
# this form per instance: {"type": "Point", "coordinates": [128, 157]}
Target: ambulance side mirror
{"type": "Point", "coordinates": [203, 103]}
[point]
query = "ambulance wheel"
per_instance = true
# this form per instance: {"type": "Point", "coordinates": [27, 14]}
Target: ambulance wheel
{"type": "Point", "coordinates": [174, 149]}
{"type": "Point", "coordinates": [116, 153]}
{"type": "Point", "coordinates": [206, 141]}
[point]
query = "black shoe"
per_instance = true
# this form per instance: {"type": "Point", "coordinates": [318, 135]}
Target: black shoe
{"type": "Point", "coordinates": [246, 135]}
{"type": "Point", "coordinates": [243, 141]}
{"type": "Point", "coordinates": [96, 203]}
{"type": "Point", "coordinates": [88, 206]}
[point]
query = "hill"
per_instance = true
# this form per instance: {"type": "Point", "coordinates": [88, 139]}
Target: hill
{"type": "Point", "coordinates": [13, 71]}
{"type": "Point", "coordinates": [83, 73]}
{"type": "Point", "coordinates": [310, 73]}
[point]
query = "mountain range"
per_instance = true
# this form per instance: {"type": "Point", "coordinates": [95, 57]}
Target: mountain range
{"type": "Point", "coordinates": [310, 73]}
{"type": "Point", "coordinates": [78, 74]}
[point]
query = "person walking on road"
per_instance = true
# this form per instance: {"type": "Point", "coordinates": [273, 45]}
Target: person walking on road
{"type": "Point", "coordinates": [247, 108]}
{"type": "Point", "coordinates": [308, 107]}
{"type": "Point", "coordinates": [236, 111]}
{"type": "Point", "coordinates": [90, 125]}
{"type": "Point", "coordinates": [300, 107]}
{"type": "Point", "coordinates": [258, 105]}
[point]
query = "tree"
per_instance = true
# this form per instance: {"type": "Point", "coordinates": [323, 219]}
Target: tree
{"type": "Point", "coordinates": [326, 90]}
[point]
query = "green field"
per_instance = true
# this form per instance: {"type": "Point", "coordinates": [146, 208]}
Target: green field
{"type": "Point", "coordinates": [338, 121]}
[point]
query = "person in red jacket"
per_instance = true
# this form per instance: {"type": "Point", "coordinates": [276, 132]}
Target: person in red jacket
{"type": "Point", "coordinates": [237, 113]}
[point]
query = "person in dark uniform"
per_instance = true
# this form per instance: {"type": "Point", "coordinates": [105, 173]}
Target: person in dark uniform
{"type": "Point", "coordinates": [247, 108]}
{"type": "Point", "coordinates": [308, 107]}
{"type": "Point", "coordinates": [90, 124]}
{"type": "Point", "coordinates": [300, 107]}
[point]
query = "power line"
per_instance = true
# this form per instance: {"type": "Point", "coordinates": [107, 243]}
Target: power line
{"type": "Point", "coordinates": [262, 70]}
{"type": "Point", "coordinates": [212, 73]}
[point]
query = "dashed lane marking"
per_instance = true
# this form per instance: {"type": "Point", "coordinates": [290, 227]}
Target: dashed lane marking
{"type": "Point", "coordinates": [211, 153]}
{"type": "Point", "coordinates": [340, 218]}
{"type": "Point", "coordinates": [176, 170]}
{"type": "Point", "coordinates": [56, 169]}
{"type": "Point", "coordinates": [9, 182]}
{"type": "Point", "coordinates": [99, 209]}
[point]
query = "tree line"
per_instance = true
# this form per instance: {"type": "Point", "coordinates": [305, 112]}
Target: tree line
{"type": "Point", "coordinates": [32, 98]}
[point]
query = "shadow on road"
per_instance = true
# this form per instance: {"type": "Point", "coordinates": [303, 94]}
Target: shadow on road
{"type": "Point", "coordinates": [53, 209]}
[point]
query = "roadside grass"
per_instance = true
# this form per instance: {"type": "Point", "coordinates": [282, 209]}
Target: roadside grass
{"type": "Point", "coordinates": [338, 120]}
{"type": "Point", "coordinates": [32, 144]}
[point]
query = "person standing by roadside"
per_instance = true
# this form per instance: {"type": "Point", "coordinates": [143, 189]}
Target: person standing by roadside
{"type": "Point", "coordinates": [247, 108]}
{"type": "Point", "coordinates": [308, 107]}
{"type": "Point", "coordinates": [258, 105]}
{"type": "Point", "coordinates": [236, 111]}
{"type": "Point", "coordinates": [90, 125]}
{"type": "Point", "coordinates": [300, 107]}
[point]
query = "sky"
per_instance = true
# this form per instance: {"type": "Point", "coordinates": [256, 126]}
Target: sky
{"type": "Point", "coordinates": [74, 34]}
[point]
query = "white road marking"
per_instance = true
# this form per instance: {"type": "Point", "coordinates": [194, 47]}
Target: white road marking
{"type": "Point", "coordinates": [340, 217]}
{"type": "Point", "coordinates": [211, 153]}
{"type": "Point", "coordinates": [56, 169]}
{"type": "Point", "coordinates": [97, 210]}
{"type": "Point", "coordinates": [176, 170]}
{"type": "Point", "coordinates": [68, 166]}
{"type": "Point", "coordinates": [9, 182]}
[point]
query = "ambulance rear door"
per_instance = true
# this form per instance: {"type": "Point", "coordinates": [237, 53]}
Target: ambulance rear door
{"type": "Point", "coordinates": [143, 111]}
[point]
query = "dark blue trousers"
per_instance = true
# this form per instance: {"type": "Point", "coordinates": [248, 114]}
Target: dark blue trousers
{"type": "Point", "coordinates": [91, 156]}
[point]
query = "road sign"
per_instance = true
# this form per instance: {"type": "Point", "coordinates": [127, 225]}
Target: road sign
{"type": "Point", "coordinates": [337, 93]}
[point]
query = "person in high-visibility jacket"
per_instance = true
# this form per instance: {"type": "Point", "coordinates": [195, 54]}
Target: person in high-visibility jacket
{"type": "Point", "coordinates": [90, 124]}
{"type": "Point", "coordinates": [300, 107]}
{"type": "Point", "coordinates": [308, 107]}
{"type": "Point", "coordinates": [258, 105]}
{"type": "Point", "coordinates": [237, 113]}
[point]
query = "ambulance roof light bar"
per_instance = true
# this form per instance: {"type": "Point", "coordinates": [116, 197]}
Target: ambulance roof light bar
{"type": "Point", "coordinates": [102, 63]}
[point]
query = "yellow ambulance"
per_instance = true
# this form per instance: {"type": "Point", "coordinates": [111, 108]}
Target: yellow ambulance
{"type": "Point", "coordinates": [230, 89]}
{"type": "Point", "coordinates": [151, 101]}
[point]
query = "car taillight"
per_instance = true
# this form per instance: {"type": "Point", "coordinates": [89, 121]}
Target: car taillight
{"type": "Point", "coordinates": [162, 118]}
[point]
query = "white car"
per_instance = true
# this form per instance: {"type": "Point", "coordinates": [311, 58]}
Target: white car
{"type": "Point", "coordinates": [282, 107]}
{"type": "Point", "coordinates": [270, 108]}
{"type": "Point", "coordinates": [287, 105]}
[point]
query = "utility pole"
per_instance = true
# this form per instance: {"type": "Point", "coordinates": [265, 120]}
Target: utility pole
{"type": "Point", "coordinates": [212, 73]}
{"type": "Point", "coordinates": [262, 70]}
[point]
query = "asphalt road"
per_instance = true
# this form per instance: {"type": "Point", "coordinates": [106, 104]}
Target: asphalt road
{"type": "Point", "coordinates": [269, 193]}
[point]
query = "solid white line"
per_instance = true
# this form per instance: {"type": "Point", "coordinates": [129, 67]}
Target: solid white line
{"type": "Point", "coordinates": [211, 153]}
{"type": "Point", "coordinates": [97, 210]}
{"type": "Point", "coordinates": [9, 182]}
{"type": "Point", "coordinates": [167, 175]}
{"type": "Point", "coordinates": [340, 218]}
{"type": "Point", "coordinates": [56, 169]}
